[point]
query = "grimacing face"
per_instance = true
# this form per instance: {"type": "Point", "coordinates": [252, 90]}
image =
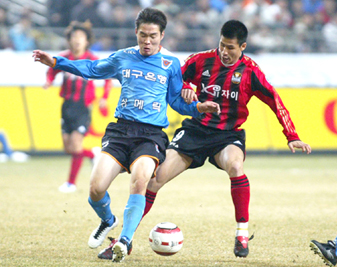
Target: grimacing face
{"type": "Point", "coordinates": [149, 38]}
{"type": "Point", "coordinates": [230, 50]}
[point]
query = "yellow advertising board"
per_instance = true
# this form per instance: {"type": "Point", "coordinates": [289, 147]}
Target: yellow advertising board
{"type": "Point", "coordinates": [30, 118]}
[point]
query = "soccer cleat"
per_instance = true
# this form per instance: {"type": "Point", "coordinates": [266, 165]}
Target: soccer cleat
{"type": "Point", "coordinates": [327, 251]}
{"type": "Point", "coordinates": [106, 254]}
{"type": "Point", "coordinates": [120, 249]}
{"type": "Point", "coordinates": [241, 246]}
{"type": "Point", "coordinates": [98, 235]}
{"type": "Point", "coordinates": [67, 188]}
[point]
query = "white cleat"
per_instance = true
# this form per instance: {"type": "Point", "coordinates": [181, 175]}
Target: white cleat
{"type": "Point", "coordinates": [120, 250]}
{"type": "Point", "coordinates": [67, 188]}
{"type": "Point", "coordinates": [99, 234]}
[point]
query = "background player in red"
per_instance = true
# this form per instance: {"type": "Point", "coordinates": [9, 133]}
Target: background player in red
{"type": "Point", "coordinates": [78, 95]}
{"type": "Point", "coordinates": [228, 77]}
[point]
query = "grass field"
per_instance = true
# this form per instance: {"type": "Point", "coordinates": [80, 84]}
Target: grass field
{"type": "Point", "coordinates": [293, 200]}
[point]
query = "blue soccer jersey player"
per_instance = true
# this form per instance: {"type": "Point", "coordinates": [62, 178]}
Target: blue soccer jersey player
{"type": "Point", "coordinates": [151, 78]}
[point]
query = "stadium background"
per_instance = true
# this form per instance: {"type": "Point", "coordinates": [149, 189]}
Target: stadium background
{"type": "Point", "coordinates": [30, 116]}
{"type": "Point", "coordinates": [292, 195]}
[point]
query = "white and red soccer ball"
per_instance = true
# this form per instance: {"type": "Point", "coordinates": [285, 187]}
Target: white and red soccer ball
{"type": "Point", "coordinates": [166, 239]}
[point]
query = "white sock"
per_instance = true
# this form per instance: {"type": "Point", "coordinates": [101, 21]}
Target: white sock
{"type": "Point", "coordinates": [242, 229]}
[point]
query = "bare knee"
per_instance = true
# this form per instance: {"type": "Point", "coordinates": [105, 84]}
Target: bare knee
{"type": "Point", "coordinates": [96, 191]}
{"type": "Point", "coordinates": [234, 168]}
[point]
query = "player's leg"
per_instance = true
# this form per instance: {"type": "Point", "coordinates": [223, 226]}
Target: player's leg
{"type": "Point", "coordinates": [104, 172]}
{"type": "Point", "coordinates": [141, 172]}
{"type": "Point", "coordinates": [72, 145]}
{"type": "Point", "coordinates": [69, 186]}
{"type": "Point", "coordinates": [174, 164]}
{"type": "Point", "coordinates": [76, 149]}
{"type": "Point", "coordinates": [231, 159]}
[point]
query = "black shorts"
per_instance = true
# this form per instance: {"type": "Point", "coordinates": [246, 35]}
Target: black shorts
{"type": "Point", "coordinates": [75, 117]}
{"type": "Point", "coordinates": [126, 141]}
{"type": "Point", "coordinates": [199, 142]}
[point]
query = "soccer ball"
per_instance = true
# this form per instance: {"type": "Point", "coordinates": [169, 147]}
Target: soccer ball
{"type": "Point", "coordinates": [166, 239]}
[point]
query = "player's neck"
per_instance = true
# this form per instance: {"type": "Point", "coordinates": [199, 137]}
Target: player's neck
{"type": "Point", "coordinates": [227, 65]}
{"type": "Point", "coordinates": [78, 54]}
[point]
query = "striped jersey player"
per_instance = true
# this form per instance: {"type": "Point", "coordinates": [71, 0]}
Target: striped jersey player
{"type": "Point", "coordinates": [228, 77]}
{"type": "Point", "coordinates": [232, 87]}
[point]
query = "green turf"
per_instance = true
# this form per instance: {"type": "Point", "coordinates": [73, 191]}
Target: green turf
{"type": "Point", "coordinates": [293, 200]}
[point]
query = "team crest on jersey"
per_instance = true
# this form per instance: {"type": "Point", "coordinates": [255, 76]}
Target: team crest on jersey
{"type": "Point", "coordinates": [236, 78]}
{"type": "Point", "coordinates": [165, 63]}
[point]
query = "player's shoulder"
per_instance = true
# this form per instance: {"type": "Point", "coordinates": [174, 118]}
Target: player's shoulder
{"type": "Point", "coordinates": [123, 53]}
{"type": "Point", "coordinates": [250, 63]}
{"type": "Point", "coordinates": [90, 55]}
{"type": "Point", "coordinates": [167, 53]}
{"type": "Point", "coordinates": [132, 50]}
{"type": "Point", "coordinates": [201, 55]}
{"type": "Point", "coordinates": [65, 53]}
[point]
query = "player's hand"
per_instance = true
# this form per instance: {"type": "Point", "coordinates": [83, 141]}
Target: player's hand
{"type": "Point", "coordinates": [46, 85]}
{"type": "Point", "coordinates": [299, 144]}
{"type": "Point", "coordinates": [103, 107]}
{"type": "Point", "coordinates": [102, 103]}
{"type": "Point", "coordinates": [209, 107]}
{"type": "Point", "coordinates": [189, 95]}
{"type": "Point", "coordinates": [43, 57]}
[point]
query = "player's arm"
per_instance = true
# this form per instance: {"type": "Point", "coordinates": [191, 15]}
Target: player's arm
{"type": "Point", "coordinates": [300, 145]}
{"type": "Point", "coordinates": [88, 69]}
{"type": "Point", "coordinates": [195, 109]}
{"type": "Point", "coordinates": [188, 71]}
{"type": "Point", "coordinates": [103, 103]}
{"type": "Point", "coordinates": [47, 60]}
{"type": "Point", "coordinates": [188, 94]}
{"type": "Point", "coordinates": [50, 77]}
{"type": "Point", "coordinates": [267, 93]}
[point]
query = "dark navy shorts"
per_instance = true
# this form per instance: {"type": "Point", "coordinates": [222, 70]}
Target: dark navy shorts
{"type": "Point", "coordinates": [75, 117]}
{"type": "Point", "coordinates": [126, 141]}
{"type": "Point", "coordinates": [200, 142]}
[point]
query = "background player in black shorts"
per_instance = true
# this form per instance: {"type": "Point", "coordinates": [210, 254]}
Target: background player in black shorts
{"type": "Point", "coordinates": [78, 95]}
{"type": "Point", "coordinates": [228, 77]}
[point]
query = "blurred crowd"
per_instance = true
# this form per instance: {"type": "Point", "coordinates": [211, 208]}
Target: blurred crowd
{"type": "Point", "coordinates": [292, 26]}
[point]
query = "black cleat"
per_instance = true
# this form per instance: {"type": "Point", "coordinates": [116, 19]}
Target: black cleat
{"type": "Point", "coordinates": [327, 251]}
{"type": "Point", "coordinates": [241, 246]}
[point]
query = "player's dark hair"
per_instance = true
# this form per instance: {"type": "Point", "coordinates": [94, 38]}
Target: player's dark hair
{"type": "Point", "coordinates": [235, 29]}
{"type": "Point", "coordinates": [151, 15]}
{"type": "Point", "coordinates": [86, 27]}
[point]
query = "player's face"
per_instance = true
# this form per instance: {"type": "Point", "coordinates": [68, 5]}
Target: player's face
{"type": "Point", "coordinates": [78, 42]}
{"type": "Point", "coordinates": [149, 38]}
{"type": "Point", "coordinates": [230, 50]}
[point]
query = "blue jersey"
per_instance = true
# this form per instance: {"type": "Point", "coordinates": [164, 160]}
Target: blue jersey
{"type": "Point", "coordinates": [148, 83]}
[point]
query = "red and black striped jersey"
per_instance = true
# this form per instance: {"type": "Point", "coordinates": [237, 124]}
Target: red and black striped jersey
{"type": "Point", "coordinates": [75, 88]}
{"type": "Point", "coordinates": [232, 87]}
